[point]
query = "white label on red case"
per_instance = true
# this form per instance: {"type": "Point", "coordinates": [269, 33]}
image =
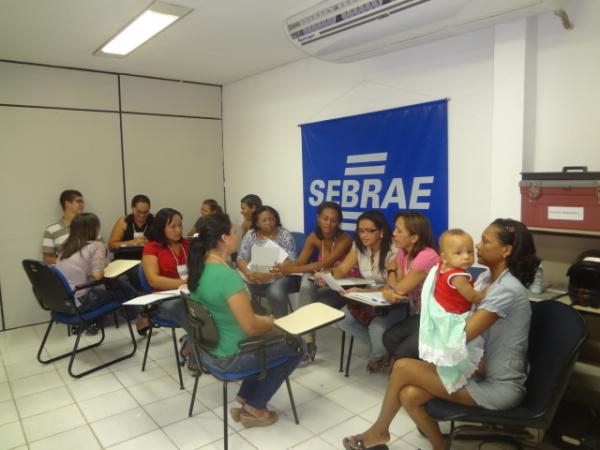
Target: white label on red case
{"type": "Point", "coordinates": [565, 213]}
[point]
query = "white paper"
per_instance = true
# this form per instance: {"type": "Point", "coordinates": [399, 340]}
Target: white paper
{"type": "Point", "coordinates": [267, 254]}
{"type": "Point", "coordinates": [370, 298]}
{"type": "Point", "coordinates": [157, 296]}
{"type": "Point", "coordinates": [331, 281]}
{"type": "Point", "coordinates": [565, 213]}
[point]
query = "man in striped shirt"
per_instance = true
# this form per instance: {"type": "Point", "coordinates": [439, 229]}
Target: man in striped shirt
{"type": "Point", "coordinates": [57, 233]}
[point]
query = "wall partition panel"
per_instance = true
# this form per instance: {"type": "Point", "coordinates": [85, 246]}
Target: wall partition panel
{"type": "Point", "coordinates": [176, 161]}
{"type": "Point", "coordinates": [27, 84]}
{"type": "Point", "coordinates": [44, 151]}
{"type": "Point", "coordinates": [179, 98]}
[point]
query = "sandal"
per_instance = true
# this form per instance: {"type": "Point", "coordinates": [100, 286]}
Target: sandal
{"type": "Point", "coordinates": [264, 420]}
{"type": "Point", "coordinates": [142, 325]}
{"type": "Point", "coordinates": [360, 445]}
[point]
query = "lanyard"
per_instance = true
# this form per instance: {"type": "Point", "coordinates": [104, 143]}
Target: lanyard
{"type": "Point", "coordinates": [175, 256]}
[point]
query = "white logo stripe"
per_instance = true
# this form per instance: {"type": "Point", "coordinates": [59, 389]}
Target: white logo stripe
{"type": "Point", "coordinates": [351, 215]}
{"type": "Point", "coordinates": [348, 226]}
{"type": "Point", "coordinates": [365, 170]}
{"type": "Point", "coordinates": [366, 158]}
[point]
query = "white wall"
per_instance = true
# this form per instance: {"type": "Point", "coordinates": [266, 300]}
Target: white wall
{"type": "Point", "coordinates": [523, 97]}
{"type": "Point", "coordinates": [262, 141]}
{"type": "Point", "coordinates": [172, 151]}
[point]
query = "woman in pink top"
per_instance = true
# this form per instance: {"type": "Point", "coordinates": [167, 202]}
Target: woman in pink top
{"type": "Point", "coordinates": [416, 256]}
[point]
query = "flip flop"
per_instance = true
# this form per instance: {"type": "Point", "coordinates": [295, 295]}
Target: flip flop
{"type": "Point", "coordinates": [361, 446]}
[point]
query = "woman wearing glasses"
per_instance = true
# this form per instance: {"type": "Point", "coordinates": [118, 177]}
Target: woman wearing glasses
{"type": "Point", "coordinates": [132, 229]}
{"type": "Point", "coordinates": [371, 251]}
{"type": "Point", "coordinates": [273, 285]}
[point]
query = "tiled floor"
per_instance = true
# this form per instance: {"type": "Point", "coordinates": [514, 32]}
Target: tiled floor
{"type": "Point", "coordinates": [42, 407]}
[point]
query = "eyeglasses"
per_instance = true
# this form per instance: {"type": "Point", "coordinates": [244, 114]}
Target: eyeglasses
{"type": "Point", "coordinates": [367, 230]}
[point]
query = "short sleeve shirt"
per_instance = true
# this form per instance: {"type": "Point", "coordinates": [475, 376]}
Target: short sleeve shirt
{"type": "Point", "coordinates": [167, 260]}
{"type": "Point", "coordinates": [506, 343]}
{"type": "Point", "coordinates": [283, 238]}
{"type": "Point", "coordinates": [425, 260]}
{"type": "Point", "coordinates": [54, 237]}
{"type": "Point", "coordinates": [217, 283]}
{"type": "Point", "coordinates": [78, 267]}
{"type": "Point", "coordinates": [369, 267]}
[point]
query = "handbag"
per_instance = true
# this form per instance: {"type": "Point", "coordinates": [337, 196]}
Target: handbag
{"type": "Point", "coordinates": [363, 313]}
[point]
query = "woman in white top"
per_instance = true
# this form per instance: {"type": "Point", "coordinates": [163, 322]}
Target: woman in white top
{"type": "Point", "coordinates": [371, 251]}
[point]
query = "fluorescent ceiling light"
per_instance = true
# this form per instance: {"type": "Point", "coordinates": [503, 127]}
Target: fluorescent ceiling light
{"type": "Point", "coordinates": [150, 22]}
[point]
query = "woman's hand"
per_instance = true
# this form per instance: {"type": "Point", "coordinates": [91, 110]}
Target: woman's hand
{"type": "Point", "coordinates": [139, 240]}
{"type": "Point", "coordinates": [392, 295]}
{"type": "Point", "coordinates": [320, 282]}
{"type": "Point", "coordinates": [282, 269]}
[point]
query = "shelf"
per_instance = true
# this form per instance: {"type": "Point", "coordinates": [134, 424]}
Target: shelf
{"type": "Point", "coordinates": [563, 232]}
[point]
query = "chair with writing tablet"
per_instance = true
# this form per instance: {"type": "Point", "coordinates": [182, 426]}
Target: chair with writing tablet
{"type": "Point", "coordinates": [53, 293]}
{"type": "Point", "coordinates": [204, 337]}
{"type": "Point", "coordinates": [157, 322]}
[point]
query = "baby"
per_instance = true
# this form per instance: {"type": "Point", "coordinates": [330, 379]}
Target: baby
{"type": "Point", "coordinates": [447, 300]}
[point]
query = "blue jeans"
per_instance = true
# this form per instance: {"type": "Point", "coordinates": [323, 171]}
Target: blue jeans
{"type": "Point", "coordinates": [276, 293]}
{"type": "Point", "coordinates": [309, 292]}
{"type": "Point", "coordinates": [119, 289]}
{"type": "Point", "coordinates": [373, 333]}
{"type": "Point", "coordinates": [255, 392]}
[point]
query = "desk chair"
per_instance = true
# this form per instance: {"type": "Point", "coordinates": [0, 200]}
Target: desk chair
{"type": "Point", "coordinates": [157, 322]}
{"type": "Point", "coordinates": [53, 293]}
{"type": "Point", "coordinates": [204, 336]}
{"type": "Point", "coordinates": [556, 335]}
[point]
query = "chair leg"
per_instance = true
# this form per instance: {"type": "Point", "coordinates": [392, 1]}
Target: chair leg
{"type": "Point", "coordinates": [225, 417]}
{"type": "Point", "coordinates": [64, 355]}
{"type": "Point", "coordinates": [147, 347]}
{"type": "Point", "coordinates": [349, 355]}
{"type": "Point", "coordinates": [116, 319]}
{"type": "Point", "coordinates": [106, 364]}
{"type": "Point", "coordinates": [191, 410]}
{"type": "Point", "coordinates": [342, 351]}
{"type": "Point", "coordinates": [289, 388]}
{"type": "Point", "coordinates": [177, 358]}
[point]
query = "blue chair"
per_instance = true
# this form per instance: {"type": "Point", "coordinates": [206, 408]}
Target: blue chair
{"type": "Point", "coordinates": [299, 239]}
{"type": "Point", "coordinates": [204, 336]}
{"type": "Point", "coordinates": [53, 293]}
{"type": "Point", "coordinates": [556, 335]}
{"type": "Point", "coordinates": [157, 322]}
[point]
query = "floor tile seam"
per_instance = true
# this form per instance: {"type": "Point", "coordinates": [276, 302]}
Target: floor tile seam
{"type": "Point", "coordinates": [18, 415]}
{"type": "Point", "coordinates": [310, 431]}
{"type": "Point", "coordinates": [66, 431]}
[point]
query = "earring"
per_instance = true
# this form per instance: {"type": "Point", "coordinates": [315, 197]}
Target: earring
{"type": "Point", "coordinates": [381, 236]}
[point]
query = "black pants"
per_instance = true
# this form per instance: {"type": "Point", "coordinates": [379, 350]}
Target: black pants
{"type": "Point", "coordinates": [402, 340]}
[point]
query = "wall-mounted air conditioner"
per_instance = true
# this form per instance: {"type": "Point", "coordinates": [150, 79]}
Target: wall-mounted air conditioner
{"type": "Point", "coordinates": [348, 30]}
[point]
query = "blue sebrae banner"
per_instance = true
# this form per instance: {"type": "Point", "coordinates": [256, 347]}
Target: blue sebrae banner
{"type": "Point", "coordinates": [386, 160]}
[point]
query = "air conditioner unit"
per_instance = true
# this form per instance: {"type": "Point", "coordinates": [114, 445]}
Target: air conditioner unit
{"type": "Point", "coordinates": [349, 30]}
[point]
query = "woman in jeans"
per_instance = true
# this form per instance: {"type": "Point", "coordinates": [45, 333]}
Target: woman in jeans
{"type": "Point", "coordinates": [83, 259]}
{"type": "Point", "coordinates": [220, 289]}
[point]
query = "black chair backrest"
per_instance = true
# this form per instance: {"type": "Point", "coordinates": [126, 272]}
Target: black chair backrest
{"type": "Point", "coordinates": [201, 325]}
{"type": "Point", "coordinates": [49, 287]}
{"type": "Point", "coordinates": [556, 335]}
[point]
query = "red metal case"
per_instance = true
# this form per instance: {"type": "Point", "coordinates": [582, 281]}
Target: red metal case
{"type": "Point", "coordinates": [568, 200]}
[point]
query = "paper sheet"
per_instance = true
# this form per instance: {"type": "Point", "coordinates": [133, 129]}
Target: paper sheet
{"type": "Point", "coordinates": [157, 296]}
{"type": "Point", "coordinates": [369, 298]}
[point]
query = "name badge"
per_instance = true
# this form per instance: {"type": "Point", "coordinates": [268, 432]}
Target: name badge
{"type": "Point", "coordinates": [182, 270]}
{"type": "Point", "coordinates": [138, 234]}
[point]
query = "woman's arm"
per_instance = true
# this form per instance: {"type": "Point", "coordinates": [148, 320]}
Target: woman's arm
{"type": "Point", "coordinates": [155, 279]}
{"type": "Point", "coordinates": [118, 232]}
{"type": "Point", "coordinates": [252, 324]}
{"type": "Point", "coordinates": [346, 265]}
{"type": "Point", "coordinates": [98, 259]}
{"type": "Point", "coordinates": [403, 284]}
{"type": "Point", "coordinates": [480, 321]}
{"type": "Point", "coordinates": [301, 265]}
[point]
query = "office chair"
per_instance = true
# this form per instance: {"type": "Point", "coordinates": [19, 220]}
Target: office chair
{"type": "Point", "coordinates": [204, 336]}
{"type": "Point", "coordinates": [556, 335]}
{"type": "Point", "coordinates": [54, 294]}
{"type": "Point", "coordinates": [157, 322]}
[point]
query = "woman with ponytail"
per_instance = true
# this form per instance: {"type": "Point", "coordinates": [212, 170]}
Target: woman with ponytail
{"type": "Point", "coordinates": [221, 290]}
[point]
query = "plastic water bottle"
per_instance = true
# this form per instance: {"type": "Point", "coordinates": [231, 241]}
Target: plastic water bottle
{"type": "Point", "coordinates": [537, 287]}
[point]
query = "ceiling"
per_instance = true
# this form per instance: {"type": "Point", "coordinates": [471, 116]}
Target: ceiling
{"type": "Point", "coordinates": [219, 42]}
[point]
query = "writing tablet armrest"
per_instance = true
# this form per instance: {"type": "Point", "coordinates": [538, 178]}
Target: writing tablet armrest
{"type": "Point", "coordinates": [88, 284]}
{"type": "Point", "coordinates": [255, 343]}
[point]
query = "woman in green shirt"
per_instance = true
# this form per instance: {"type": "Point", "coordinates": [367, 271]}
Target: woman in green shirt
{"type": "Point", "coordinates": [221, 290]}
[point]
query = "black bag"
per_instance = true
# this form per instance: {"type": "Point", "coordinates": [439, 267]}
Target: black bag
{"type": "Point", "coordinates": [584, 279]}
{"type": "Point", "coordinates": [575, 426]}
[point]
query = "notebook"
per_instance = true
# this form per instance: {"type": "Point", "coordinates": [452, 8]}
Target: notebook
{"type": "Point", "coordinates": [148, 299]}
{"type": "Point", "coordinates": [369, 298]}
{"type": "Point", "coordinates": [118, 267]}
